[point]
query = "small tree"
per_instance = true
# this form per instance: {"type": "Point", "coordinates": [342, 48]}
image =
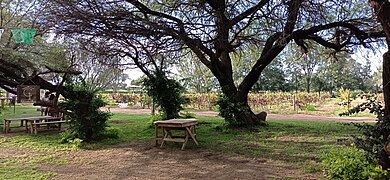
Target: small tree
{"type": "Point", "coordinates": [167, 93]}
{"type": "Point", "coordinates": [87, 121]}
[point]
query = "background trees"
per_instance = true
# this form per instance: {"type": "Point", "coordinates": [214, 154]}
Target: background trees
{"type": "Point", "coordinates": [194, 76]}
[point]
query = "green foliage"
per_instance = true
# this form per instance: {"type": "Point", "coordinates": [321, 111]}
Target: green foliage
{"type": "Point", "coordinates": [228, 109]}
{"type": "Point", "coordinates": [187, 115]}
{"type": "Point", "coordinates": [272, 78]}
{"type": "Point", "coordinates": [346, 97]}
{"type": "Point", "coordinates": [310, 107]}
{"type": "Point", "coordinates": [374, 138]}
{"type": "Point", "coordinates": [372, 104]}
{"type": "Point", "coordinates": [87, 121]}
{"type": "Point", "coordinates": [346, 72]}
{"type": "Point", "coordinates": [167, 93]}
{"type": "Point", "coordinates": [111, 133]}
{"type": "Point", "coordinates": [154, 118]}
{"type": "Point", "coordinates": [350, 163]}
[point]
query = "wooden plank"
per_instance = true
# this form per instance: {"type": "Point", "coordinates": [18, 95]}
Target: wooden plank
{"type": "Point", "coordinates": [35, 126]}
{"type": "Point", "coordinates": [176, 123]}
{"type": "Point", "coordinates": [49, 122]}
{"type": "Point", "coordinates": [174, 139]}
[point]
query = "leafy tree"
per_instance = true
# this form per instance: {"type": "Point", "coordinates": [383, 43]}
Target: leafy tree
{"type": "Point", "coordinates": [305, 65]}
{"type": "Point", "coordinates": [214, 30]}
{"type": "Point", "coordinates": [346, 73]}
{"type": "Point", "coordinates": [366, 82]}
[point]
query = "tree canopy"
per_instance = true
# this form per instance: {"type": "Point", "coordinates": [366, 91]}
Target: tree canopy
{"type": "Point", "coordinates": [32, 63]}
{"type": "Point", "coordinates": [214, 30]}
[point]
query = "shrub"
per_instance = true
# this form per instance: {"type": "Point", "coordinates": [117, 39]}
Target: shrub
{"type": "Point", "coordinates": [346, 97]}
{"type": "Point", "coordinates": [350, 163]}
{"type": "Point", "coordinates": [154, 118]}
{"type": "Point", "coordinates": [187, 115]}
{"type": "Point", "coordinates": [374, 137]}
{"type": "Point", "coordinates": [228, 108]}
{"type": "Point", "coordinates": [310, 107]}
{"type": "Point", "coordinates": [167, 93]}
{"type": "Point", "coordinates": [87, 121]}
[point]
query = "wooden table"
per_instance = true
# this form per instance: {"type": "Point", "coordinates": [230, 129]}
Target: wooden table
{"type": "Point", "coordinates": [32, 119]}
{"type": "Point", "coordinates": [188, 125]}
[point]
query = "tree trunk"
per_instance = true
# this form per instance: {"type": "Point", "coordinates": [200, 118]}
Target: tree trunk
{"type": "Point", "coordinates": [308, 84]}
{"type": "Point", "coordinates": [244, 114]}
{"type": "Point", "coordinates": [386, 82]}
{"type": "Point", "coordinates": [247, 115]}
{"type": "Point", "coordinates": [382, 11]}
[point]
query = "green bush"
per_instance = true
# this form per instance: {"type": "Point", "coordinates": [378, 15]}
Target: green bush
{"type": "Point", "coordinates": [187, 114]}
{"type": "Point", "coordinates": [87, 121]}
{"type": "Point", "coordinates": [110, 133]}
{"type": "Point", "coordinates": [310, 107]}
{"type": "Point", "coordinates": [350, 163]}
{"type": "Point", "coordinates": [154, 118]}
{"type": "Point", "coordinates": [166, 93]}
{"type": "Point", "coordinates": [228, 109]}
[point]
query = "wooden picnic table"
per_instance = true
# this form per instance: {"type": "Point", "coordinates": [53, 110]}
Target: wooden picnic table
{"type": "Point", "coordinates": [24, 121]}
{"type": "Point", "coordinates": [188, 125]}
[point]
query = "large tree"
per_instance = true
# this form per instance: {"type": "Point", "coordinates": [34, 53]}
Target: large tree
{"type": "Point", "coordinates": [213, 30]}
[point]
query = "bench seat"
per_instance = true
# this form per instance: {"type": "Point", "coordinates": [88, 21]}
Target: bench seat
{"type": "Point", "coordinates": [36, 125]}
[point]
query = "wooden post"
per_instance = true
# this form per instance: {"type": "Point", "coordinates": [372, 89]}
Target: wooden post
{"type": "Point", "coordinates": [2, 102]}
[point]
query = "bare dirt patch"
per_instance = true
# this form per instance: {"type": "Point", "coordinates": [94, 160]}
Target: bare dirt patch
{"type": "Point", "coordinates": [140, 160]}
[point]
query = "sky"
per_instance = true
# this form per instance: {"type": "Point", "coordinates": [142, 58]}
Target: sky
{"type": "Point", "coordinates": [133, 74]}
{"type": "Point", "coordinates": [375, 57]}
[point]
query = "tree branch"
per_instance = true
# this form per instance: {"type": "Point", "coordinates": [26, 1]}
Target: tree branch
{"type": "Point", "coordinates": [248, 12]}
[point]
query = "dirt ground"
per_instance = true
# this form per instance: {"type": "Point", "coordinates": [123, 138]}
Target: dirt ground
{"type": "Point", "coordinates": [141, 160]}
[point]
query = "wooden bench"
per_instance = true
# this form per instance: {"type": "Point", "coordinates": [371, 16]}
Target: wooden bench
{"type": "Point", "coordinates": [36, 125]}
{"type": "Point", "coordinates": [7, 122]}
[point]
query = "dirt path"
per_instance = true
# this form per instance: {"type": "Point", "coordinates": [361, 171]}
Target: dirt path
{"type": "Point", "coordinates": [304, 117]}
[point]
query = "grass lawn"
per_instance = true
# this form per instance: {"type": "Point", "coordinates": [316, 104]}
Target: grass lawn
{"type": "Point", "coordinates": [299, 143]}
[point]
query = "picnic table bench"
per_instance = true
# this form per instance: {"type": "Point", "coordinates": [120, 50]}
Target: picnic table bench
{"type": "Point", "coordinates": [34, 122]}
{"type": "Point", "coordinates": [188, 125]}
{"type": "Point", "coordinates": [35, 125]}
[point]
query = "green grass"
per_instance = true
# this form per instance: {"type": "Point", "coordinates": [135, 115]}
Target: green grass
{"type": "Point", "coordinates": [299, 143]}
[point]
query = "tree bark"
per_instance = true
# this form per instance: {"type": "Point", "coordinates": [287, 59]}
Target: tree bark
{"type": "Point", "coordinates": [249, 117]}
{"type": "Point", "coordinates": [386, 82]}
{"type": "Point", "coordinates": [308, 84]}
{"type": "Point", "coordinates": [382, 11]}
